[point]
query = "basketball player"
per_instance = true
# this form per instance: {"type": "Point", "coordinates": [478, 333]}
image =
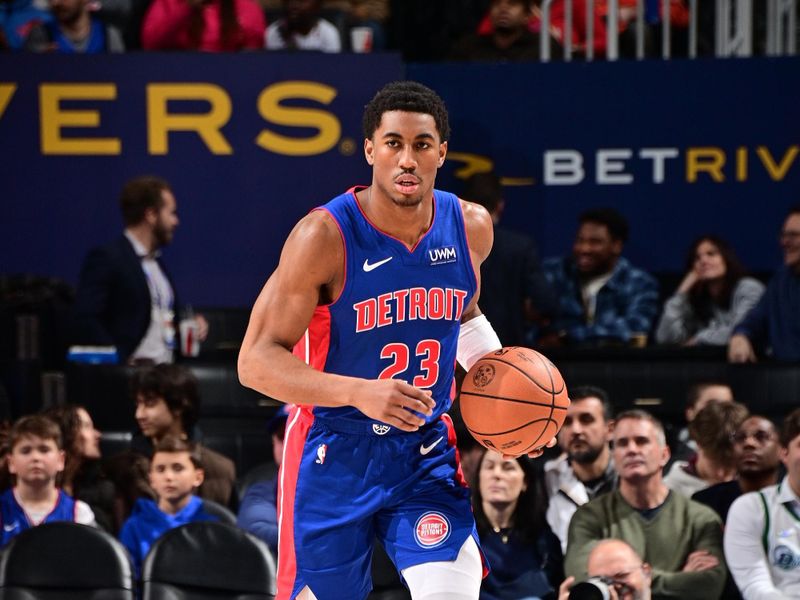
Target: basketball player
{"type": "Point", "coordinates": [374, 291]}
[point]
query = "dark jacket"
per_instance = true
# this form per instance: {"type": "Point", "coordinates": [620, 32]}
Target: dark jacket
{"type": "Point", "coordinates": [113, 305]}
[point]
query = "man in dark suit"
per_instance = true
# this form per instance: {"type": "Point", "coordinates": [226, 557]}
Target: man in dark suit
{"type": "Point", "coordinates": [125, 297]}
{"type": "Point", "coordinates": [514, 292]}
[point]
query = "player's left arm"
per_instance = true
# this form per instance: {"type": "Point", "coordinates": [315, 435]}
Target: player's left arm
{"type": "Point", "coordinates": [477, 338]}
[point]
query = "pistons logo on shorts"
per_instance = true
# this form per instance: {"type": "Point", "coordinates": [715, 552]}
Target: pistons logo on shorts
{"type": "Point", "coordinates": [431, 530]}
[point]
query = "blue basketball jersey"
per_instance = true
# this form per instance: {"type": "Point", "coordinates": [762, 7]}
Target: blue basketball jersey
{"type": "Point", "coordinates": [398, 314]}
{"type": "Point", "coordinates": [15, 521]}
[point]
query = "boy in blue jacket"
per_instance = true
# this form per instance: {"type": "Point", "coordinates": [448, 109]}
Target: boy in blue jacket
{"type": "Point", "coordinates": [175, 473]}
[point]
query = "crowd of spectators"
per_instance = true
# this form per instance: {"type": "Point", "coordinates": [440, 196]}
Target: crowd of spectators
{"type": "Point", "coordinates": [725, 527]}
{"type": "Point", "coordinates": [476, 30]}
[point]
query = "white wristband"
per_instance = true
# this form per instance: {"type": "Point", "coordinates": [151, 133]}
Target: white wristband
{"type": "Point", "coordinates": [475, 340]}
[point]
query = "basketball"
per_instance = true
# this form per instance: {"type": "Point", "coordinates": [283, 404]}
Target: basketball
{"type": "Point", "coordinates": [513, 400]}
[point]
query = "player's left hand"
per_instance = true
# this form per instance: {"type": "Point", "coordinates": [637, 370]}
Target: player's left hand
{"type": "Point", "coordinates": [538, 451]}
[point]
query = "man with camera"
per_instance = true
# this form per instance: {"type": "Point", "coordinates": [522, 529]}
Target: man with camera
{"type": "Point", "coordinates": [615, 572]}
{"type": "Point", "coordinates": [681, 539]}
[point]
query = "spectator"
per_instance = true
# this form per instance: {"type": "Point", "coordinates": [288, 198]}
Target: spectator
{"type": "Point", "coordinates": [680, 538]}
{"type": "Point", "coordinates": [207, 25]}
{"type": "Point", "coordinates": [758, 465]}
{"type": "Point", "coordinates": [17, 18]}
{"type": "Point", "coordinates": [714, 462]}
{"type": "Point", "coordinates": [35, 460]}
{"type": "Point", "coordinates": [514, 292]}
{"type": "Point", "coordinates": [82, 477]}
{"type": "Point", "coordinates": [510, 38]}
{"type": "Point", "coordinates": [714, 296]}
{"type": "Point", "coordinates": [762, 536]}
{"type": "Point", "coordinates": [125, 297]}
{"type": "Point", "coordinates": [258, 512]}
{"type": "Point", "coordinates": [509, 503]}
{"type": "Point", "coordinates": [756, 449]}
{"type": "Point", "coordinates": [615, 562]}
{"type": "Point", "coordinates": [585, 470]}
{"type": "Point", "coordinates": [557, 27]}
{"type": "Point", "coordinates": [698, 396]}
{"type": "Point", "coordinates": [175, 473]}
{"type": "Point", "coordinates": [603, 298]}
{"type": "Point", "coordinates": [168, 404]}
{"type": "Point", "coordinates": [74, 31]}
{"type": "Point", "coordinates": [372, 14]}
{"type": "Point", "coordinates": [774, 323]}
{"type": "Point", "coordinates": [302, 28]}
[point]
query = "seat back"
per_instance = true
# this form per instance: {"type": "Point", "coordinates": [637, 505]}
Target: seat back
{"type": "Point", "coordinates": [65, 561]}
{"type": "Point", "coordinates": [207, 560]}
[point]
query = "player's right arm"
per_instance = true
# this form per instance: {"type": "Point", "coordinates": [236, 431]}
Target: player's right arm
{"type": "Point", "coordinates": [310, 272]}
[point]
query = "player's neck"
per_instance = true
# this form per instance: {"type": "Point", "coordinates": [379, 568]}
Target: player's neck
{"type": "Point", "coordinates": [593, 470]}
{"type": "Point", "coordinates": [644, 494]}
{"type": "Point", "coordinates": [408, 223]}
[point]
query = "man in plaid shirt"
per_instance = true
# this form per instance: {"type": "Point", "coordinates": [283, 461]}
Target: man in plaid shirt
{"type": "Point", "coordinates": [602, 297]}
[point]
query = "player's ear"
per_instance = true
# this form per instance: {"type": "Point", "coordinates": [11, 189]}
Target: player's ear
{"type": "Point", "coordinates": [442, 153]}
{"type": "Point", "coordinates": [369, 151]}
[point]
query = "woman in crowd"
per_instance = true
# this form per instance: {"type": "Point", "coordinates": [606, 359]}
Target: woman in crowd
{"type": "Point", "coordinates": [83, 477]}
{"type": "Point", "coordinates": [208, 25]}
{"type": "Point", "coordinates": [713, 297]}
{"type": "Point", "coordinates": [510, 503]}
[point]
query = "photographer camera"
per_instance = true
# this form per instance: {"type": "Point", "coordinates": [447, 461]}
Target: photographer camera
{"type": "Point", "coordinates": [615, 572]}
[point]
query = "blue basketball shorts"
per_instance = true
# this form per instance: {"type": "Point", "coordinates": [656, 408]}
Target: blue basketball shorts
{"type": "Point", "coordinates": [342, 484]}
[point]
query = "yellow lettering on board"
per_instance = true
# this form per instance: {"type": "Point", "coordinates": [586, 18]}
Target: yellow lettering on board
{"type": "Point", "coordinates": [53, 118]}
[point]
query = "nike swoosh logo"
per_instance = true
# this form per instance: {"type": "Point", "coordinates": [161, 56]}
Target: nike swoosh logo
{"type": "Point", "coordinates": [423, 449]}
{"type": "Point", "coordinates": [369, 267]}
{"type": "Point", "coordinates": [10, 527]}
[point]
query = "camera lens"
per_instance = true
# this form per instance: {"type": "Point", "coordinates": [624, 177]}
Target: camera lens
{"type": "Point", "coordinates": [591, 589]}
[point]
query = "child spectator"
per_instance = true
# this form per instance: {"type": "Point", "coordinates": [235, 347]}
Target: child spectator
{"type": "Point", "coordinates": [75, 30]}
{"type": "Point", "coordinates": [35, 460]}
{"type": "Point", "coordinates": [168, 403]}
{"type": "Point", "coordinates": [175, 473]}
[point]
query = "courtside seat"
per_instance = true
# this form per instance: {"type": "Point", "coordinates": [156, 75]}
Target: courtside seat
{"type": "Point", "coordinates": [65, 561]}
{"type": "Point", "coordinates": [208, 561]}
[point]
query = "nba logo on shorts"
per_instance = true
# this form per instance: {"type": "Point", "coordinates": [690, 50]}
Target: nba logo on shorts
{"type": "Point", "coordinates": [431, 530]}
{"type": "Point", "coordinates": [322, 450]}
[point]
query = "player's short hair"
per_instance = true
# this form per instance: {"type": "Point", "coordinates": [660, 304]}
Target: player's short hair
{"type": "Point", "coordinates": [407, 96]}
{"type": "Point", "coordinates": [613, 220]}
{"type": "Point", "coordinates": [171, 445]}
{"type": "Point", "coordinates": [638, 414]}
{"type": "Point", "coordinates": [793, 210]}
{"type": "Point", "coordinates": [582, 392]}
{"type": "Point", "coordinates": [790, 428]}
{"type": "Point", "coordinates": [35, 425]}
{"type": "Point", "coordinates": [139, 194]}
{"type": "Point", "coordinates": [176, 385]}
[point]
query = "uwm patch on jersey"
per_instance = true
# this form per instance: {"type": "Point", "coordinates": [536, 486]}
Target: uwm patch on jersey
{"type": "Point", "coordinates": [443, 256]}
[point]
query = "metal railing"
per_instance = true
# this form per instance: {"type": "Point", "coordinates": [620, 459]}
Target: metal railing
{"type": "Point", "coordinates": [733, 28]}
